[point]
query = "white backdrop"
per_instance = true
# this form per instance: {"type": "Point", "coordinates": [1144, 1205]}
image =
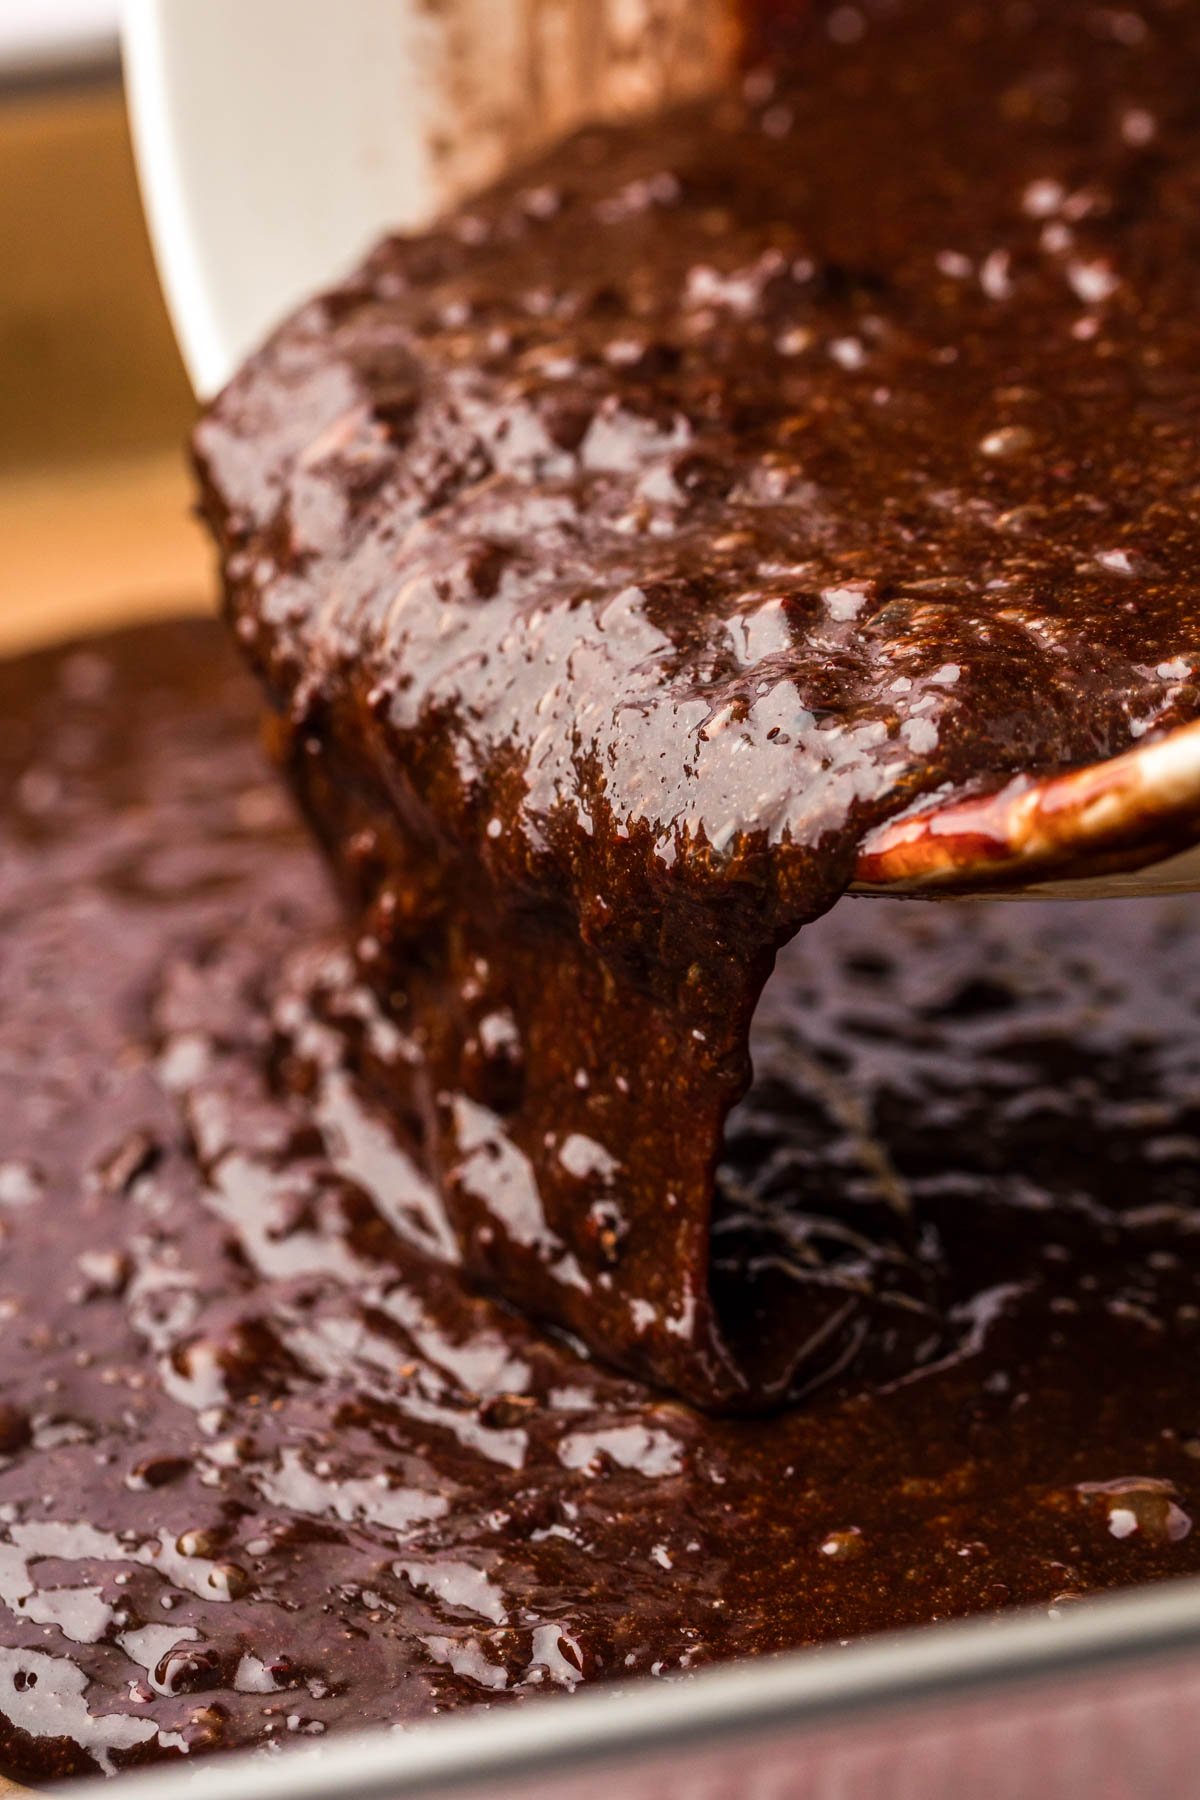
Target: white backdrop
{"type": "Point", "coordinates": [43, 33]}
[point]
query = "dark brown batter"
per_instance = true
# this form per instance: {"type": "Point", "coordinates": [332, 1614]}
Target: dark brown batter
{"type": "Point", "coordinates": [621, 552]}
{"type": "Point", "coordinates": [268, 1470]}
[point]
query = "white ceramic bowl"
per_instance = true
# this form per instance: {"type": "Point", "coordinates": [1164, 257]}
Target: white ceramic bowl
{"type": "Point", "coordinates": [277, 138]}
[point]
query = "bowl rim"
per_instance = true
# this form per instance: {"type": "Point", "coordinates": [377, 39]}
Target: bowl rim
{"type": "Point", "coordinates": [1093, 826]}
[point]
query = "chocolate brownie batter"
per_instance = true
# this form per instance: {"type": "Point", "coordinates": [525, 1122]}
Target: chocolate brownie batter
{"type": "Point", "coordinates": [267, 1469]}
{"type": "Point", "coordinates": [620, 553]}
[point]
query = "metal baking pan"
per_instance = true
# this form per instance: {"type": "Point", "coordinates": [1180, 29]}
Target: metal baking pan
{"type": "Point", "coordinates": [1099, 1700]}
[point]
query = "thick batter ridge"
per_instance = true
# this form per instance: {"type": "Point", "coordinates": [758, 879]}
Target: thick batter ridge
{"type": "Point", "coordinates": [620, 553]}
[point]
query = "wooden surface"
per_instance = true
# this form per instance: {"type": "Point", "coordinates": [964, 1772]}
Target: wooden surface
{"type": "Point", "coordinates": [97, 544]}
{"type": "Point", "coordinates": [88, 365]}
{"type": "Point", "coordinates": [95, 497]}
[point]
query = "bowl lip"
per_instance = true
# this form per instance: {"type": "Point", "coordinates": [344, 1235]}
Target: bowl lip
{"type": "Point", "coordinates": [1093, 823]}
{"type": "Point", "coordinates": [146, 64]}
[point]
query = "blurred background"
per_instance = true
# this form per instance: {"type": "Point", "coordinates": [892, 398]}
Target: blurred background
{"type": "Point", "coordinates": [95, 498]}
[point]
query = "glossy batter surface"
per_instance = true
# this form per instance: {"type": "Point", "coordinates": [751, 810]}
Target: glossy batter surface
{"type": "Point", "coordinates": [621, 552]}
{"type": "Point", "coordinates": [267, 1468]}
